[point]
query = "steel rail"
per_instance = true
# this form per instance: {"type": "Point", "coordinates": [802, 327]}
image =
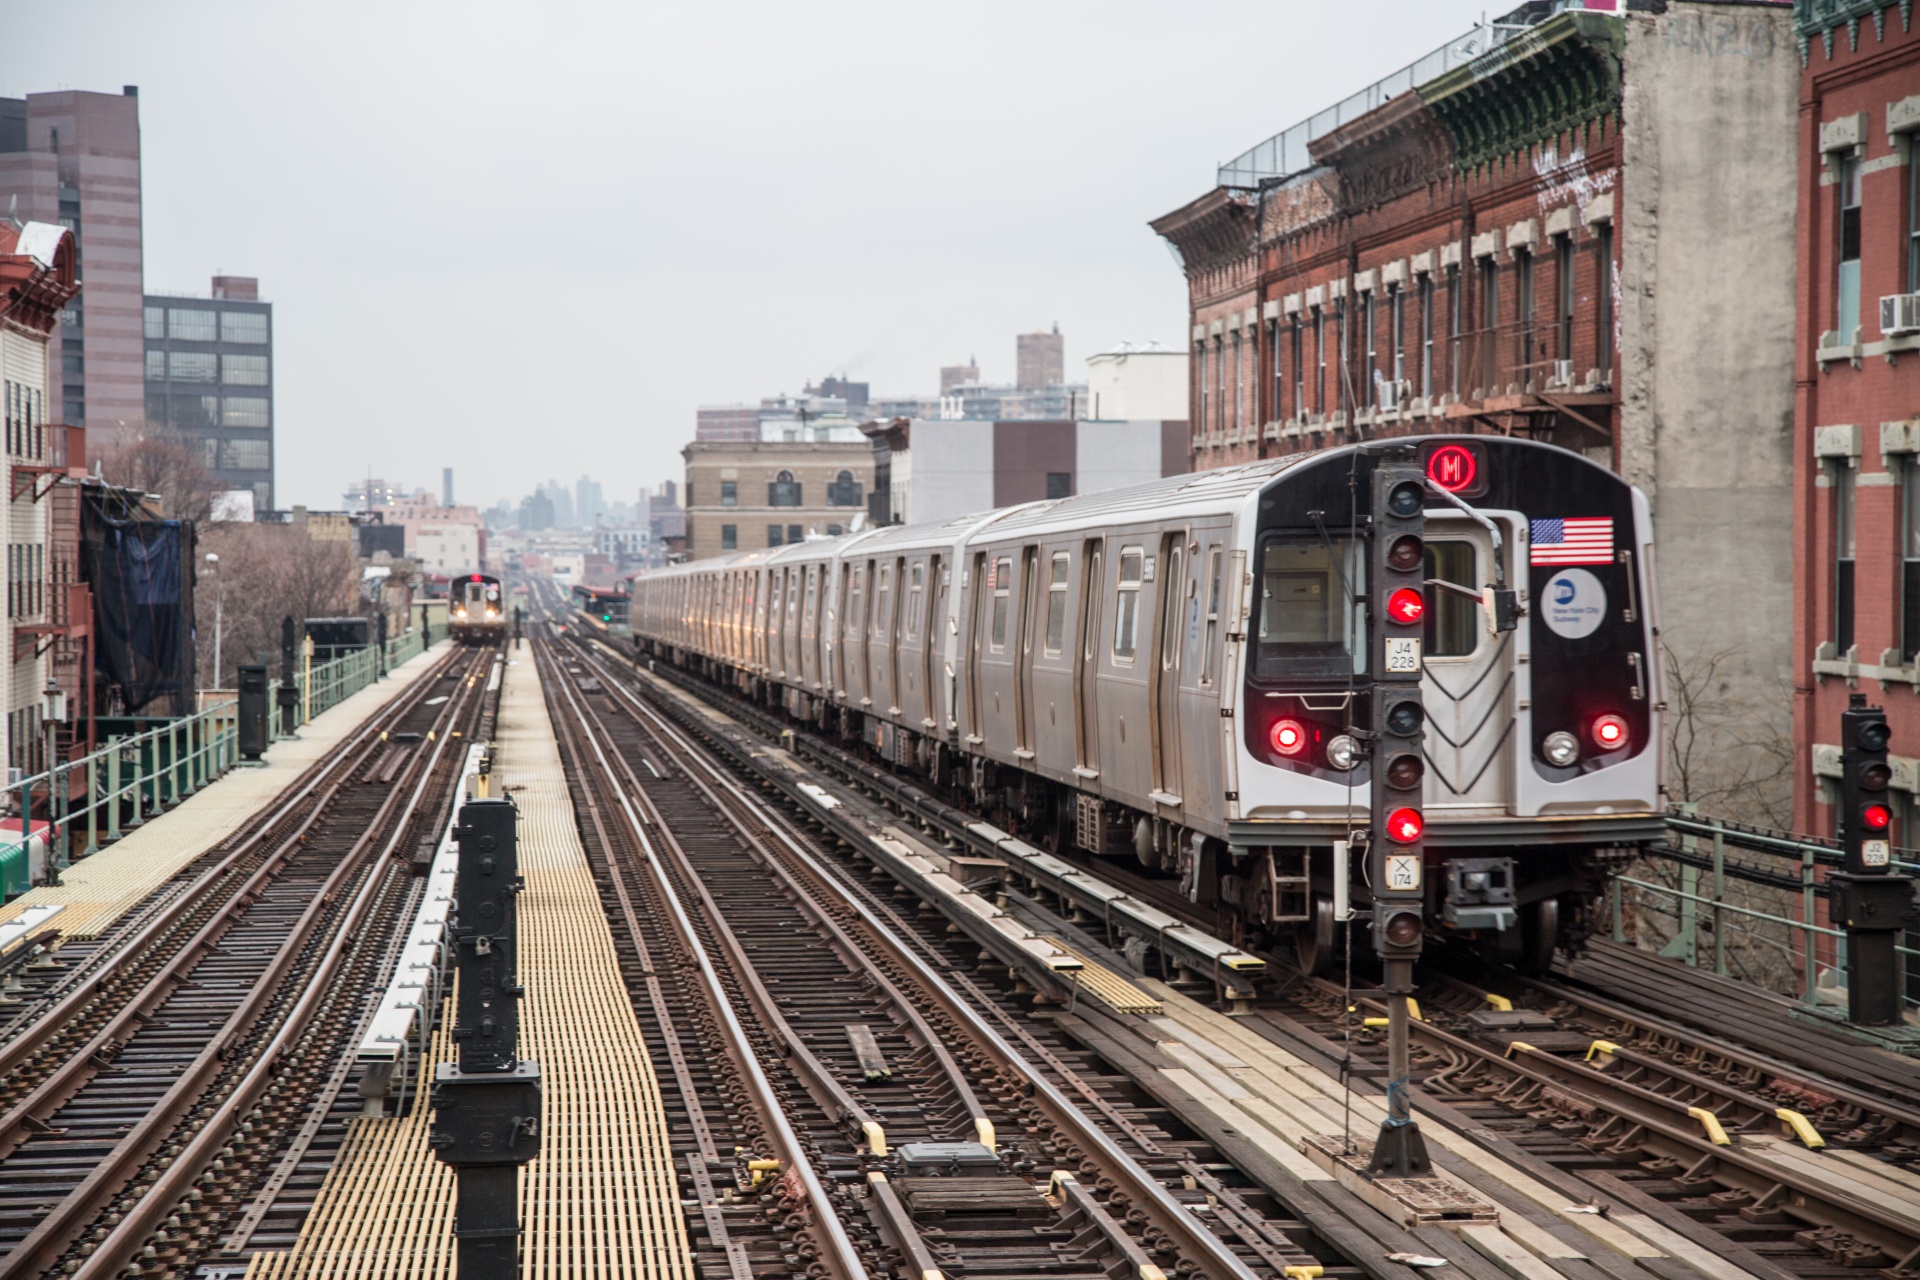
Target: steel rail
{"type": "Point", "coordinates": [1190, 1236]}
{"type": "Point", "coordinates": [71, 1216]}
{"type": "Point", "coordinates": [841, 1257]}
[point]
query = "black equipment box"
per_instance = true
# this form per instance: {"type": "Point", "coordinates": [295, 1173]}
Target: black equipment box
{"type": "Point", "coordinates": [334, 636]}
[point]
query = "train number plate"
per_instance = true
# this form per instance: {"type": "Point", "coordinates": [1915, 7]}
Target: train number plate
{"type": "Point", "coordinates": [1403, 656]}
{"type": "Point", "coordinates": [1875, 853]}
{"type": "Point", "coordinates": [1403, 872]}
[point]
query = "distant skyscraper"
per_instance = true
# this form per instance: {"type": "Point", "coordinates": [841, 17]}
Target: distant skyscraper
{"type": "Point", "coordinates": [588, 502]}
{"type": "Point", "coordinates": [74, 158]}
{"type": "Point", "coordinates": [955, 376]}
{"type": "Point", "coordinates": [209, 376]}
{"type": "Point", "coordinates": [1042, 360]}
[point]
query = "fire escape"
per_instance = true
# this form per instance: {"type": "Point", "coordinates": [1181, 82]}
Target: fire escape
{"type": "Point", "coordinates": [66, 630]}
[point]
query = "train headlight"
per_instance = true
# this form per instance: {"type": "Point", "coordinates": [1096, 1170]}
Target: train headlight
{"type": "Point", "coordinates": [1289, 737]}
{"type": "Point", "coordinates": [1609, 732]}
{"type": "Point", "coordinates": [1342, 751]}
{"type": "Point", "coordinates": [1561, 749]}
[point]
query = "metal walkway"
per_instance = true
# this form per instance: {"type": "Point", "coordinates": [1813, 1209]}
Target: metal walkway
{"type": "Point", "coordinates": [602, 1199]}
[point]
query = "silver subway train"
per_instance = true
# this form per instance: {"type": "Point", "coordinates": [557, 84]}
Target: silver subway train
{"type": "Point", "coordinates": [1176, 673]}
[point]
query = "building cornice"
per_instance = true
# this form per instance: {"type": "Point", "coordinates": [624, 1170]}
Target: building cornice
{"type": "Point", "coordinates": [1218, 227]}
{"type": "Point", "coordinates": [1825, 17]}
{"type": "Point", "coordinates": [1560, 76]}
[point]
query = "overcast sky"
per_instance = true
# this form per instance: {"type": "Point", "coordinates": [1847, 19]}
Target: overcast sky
{"type": "Point", "coordinates": [526, 240]}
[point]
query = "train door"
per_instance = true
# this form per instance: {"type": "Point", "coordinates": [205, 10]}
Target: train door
{"type": "Point", "coordinates": [1087, 669]}
{"type": "Point", "coordinates": [976, 648]}
{"type": "Point", "coordinates": [1023, 656]}
{"type": "Point", "coordinates": [810, 655]}
{"type": "Point", "coordinates": [796, 576]}
{"type": "Point", "coordinates": [934, 643]}
{"type": "Point", "coordinates": [776, 622]}
{"type": "Point", "coordinates": [1164, 674]}
{"type": "Point", "coordinates": [1468, 685]}
{"type": "Point", "coordinates": [911, 641]}
{"type": "Point", "coordinates": [880, 637]}
{"type": "Point", "coordinates": [853, 623]}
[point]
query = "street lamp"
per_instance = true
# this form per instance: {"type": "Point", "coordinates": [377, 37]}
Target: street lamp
{"type": "Point", "coordinates": [219, 592]}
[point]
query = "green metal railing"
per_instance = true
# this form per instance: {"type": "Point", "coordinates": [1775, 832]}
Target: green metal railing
{"type": "Point", "coordinates": [1704, 852]}
{"type": "Point", "coordinates": [132, 778]}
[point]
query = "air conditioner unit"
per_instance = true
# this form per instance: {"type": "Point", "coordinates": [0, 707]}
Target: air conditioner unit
{"type": "Point", "coordinates": [1563, 373]}
{"type": "Point", "coordinates": [1900, 313]}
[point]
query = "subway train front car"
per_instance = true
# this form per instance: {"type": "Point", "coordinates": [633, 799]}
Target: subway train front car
{"type": "Point", "coordinates": [1542, 749]}
{"type": "Point", "coordinates": [476, 613]}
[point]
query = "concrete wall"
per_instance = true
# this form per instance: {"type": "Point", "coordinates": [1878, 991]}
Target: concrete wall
{"type": "Point", "coordinates": [1108, 455]}
{"type": "Point", "coordinates": [1707, 224]}
{"type": "Point", "coordinates": [952, 470]}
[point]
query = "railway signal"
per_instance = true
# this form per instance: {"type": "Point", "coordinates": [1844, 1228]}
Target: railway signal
{"type": "Point", "coordinates": [1864, 897]}
{"type": "Point", "coordinates": [1395, 853]}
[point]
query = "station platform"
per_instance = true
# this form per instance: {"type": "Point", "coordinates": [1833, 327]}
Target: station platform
{"type": "Point", "coordinates": [602, 1199]}
{"type": "Point", "coordinates": [97, 891]}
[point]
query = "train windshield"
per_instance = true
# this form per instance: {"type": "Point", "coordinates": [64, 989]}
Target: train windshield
{"type": "Point", "coordinates": [1309, 626]}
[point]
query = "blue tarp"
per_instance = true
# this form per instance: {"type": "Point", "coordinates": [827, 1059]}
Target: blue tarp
{"type": "Point", "coordinates": [137, 565]}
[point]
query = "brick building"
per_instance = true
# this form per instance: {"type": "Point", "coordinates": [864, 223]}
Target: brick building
{"type": "Point", "coordinates": [1531, 231]}
{"type": "Point", "coordinates": [1857, 366]}
{"type": "Point", "coordinates": [743, 494]}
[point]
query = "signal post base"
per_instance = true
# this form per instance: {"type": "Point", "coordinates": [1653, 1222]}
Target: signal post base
{"type": "Point", "coordinates": [1421, 1201]}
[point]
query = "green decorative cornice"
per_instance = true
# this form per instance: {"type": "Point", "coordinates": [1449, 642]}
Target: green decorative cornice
{"type": "Point", "coordinates": [1551, 80]}
{"type": "Point", "coordinates": [1820, 17]}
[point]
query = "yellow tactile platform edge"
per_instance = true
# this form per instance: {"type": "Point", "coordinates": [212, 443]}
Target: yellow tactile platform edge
{"type": "Point", "coordinates": [602, 1200]}
{"type": "Point", "coordinates": [1107, 986]}
{"type": "Point", "coordinates": [98, 890]}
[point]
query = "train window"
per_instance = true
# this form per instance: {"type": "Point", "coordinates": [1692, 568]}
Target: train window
{"type": "Point", "coordinates": [1002, 598]}
{"type": "Point", "coordinates": [1451, 629]}
{"type": "Point", "coordinates": [883, 600]}
{"type": "Point", "coordinates": [1306, 631]}
{"type": "Point", "coordinates": [855, 596]}
{"type": "Point", "coordinates": [1213, 616]}
{"type": "Point", "coordinates": [916, 585]}
{"type": "Point", "coordinates": [1057, 602]}
{"type": "Point", "coordinates": [1170, 610]}
{"type": "Point", "coordinates": [1126, 613]}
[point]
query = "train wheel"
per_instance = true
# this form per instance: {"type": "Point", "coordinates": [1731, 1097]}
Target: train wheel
{"type": "Point", "coordinates": [1313, 939]}
{"type": "Point", "coordinates": [1539, 935]}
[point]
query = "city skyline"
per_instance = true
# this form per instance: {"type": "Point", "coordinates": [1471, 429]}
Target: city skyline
{"type": "Point", "coordinates": [635, 322]}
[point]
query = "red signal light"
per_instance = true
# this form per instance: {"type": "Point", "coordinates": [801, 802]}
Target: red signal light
{"type": "Point", "coordinates": [1406, 606]}
{"type": "Point", "coordinates": [1405, 825]}
{"type": "Point", "coordinates": [1610, 731]}
{"type": "Point", "coordinates": [1876, 817]}
{"type": "Point", "coordinates": [1452, 467]}
{"type": "Point", "coordinates": [1289, 737]}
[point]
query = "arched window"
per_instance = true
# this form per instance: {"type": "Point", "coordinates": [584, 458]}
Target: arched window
{"type": "Point", "coordinates": [844, 491]}
{"type": "Point", "coordinates": [783, 491]}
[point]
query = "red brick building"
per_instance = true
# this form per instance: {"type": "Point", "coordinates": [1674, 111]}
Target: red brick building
{"type": "Point", "coordinates": [1573, 224]}
{"type": "Point", "coordinates": [1857, 369]}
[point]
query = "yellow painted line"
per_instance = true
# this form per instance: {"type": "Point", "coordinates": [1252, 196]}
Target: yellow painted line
{"type": "Point", "coordinates": [1601, 1046]}
{"type": "Point", "coordinates": [1105, 985]}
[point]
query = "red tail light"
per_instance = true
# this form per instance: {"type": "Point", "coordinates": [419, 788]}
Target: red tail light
{"type": "Point", "coordinates": [1406, 606]}
{"type": "Point", "coordinates": [1609, 732]}
{"type": "Point", "coordinates": [1289, 737]}
{"type": "Point", "coordinates": [1405, 825]}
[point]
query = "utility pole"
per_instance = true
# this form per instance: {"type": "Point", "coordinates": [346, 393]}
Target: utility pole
{"type": "Point", "coordinates": [1864, 897]}
{"type": "Point", "coordinates": [219, 594]}
{"type": "Point", "coordinates": [486, 1118]}
{"type": "Point", "coordinates": [1396, 602]}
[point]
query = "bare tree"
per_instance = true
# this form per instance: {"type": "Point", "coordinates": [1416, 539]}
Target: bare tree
{"type": "Point", "coordinates": [268, 572]}
{"type": "Point", "coordinates": [162, 465]}
{"type": "Point", "coordinates": [1731, 757]}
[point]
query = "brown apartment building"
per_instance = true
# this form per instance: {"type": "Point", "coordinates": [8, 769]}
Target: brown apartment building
{"type": "Point", "coordinates": [743, 494]}
{"type": "Point", "coordinates": [1573, 225]}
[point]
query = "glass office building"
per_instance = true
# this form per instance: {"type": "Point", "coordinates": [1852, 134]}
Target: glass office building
{"type": "Point", "coordinates": [210, 381]}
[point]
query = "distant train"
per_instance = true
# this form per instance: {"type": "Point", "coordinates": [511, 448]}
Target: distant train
{"type": "Point", "coordinates": [1177, 672]}
{"type": "Point", "coordinates": [476, 613]}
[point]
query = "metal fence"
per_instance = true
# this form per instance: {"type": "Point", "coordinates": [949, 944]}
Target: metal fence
{"type": "Point", "coordinates": [82, 804]}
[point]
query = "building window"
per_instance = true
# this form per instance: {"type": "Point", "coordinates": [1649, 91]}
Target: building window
{"type": "Point", "coordinates": [1059, 484]}
{"type": "Point", "coordinates": [783, 491]}
{"type": "Point", "coordinates": [190, 366]}
{"type": "Point", "coordinates": [1279, 387]}
{"type": "Point", "coordinates": [1320, 358]}
{"type": "Point", "coordinates": [844, 491]}
{"type": "Point", "coordinates": [156, 366]}
{"type": "Point", "coordinates": [1220, 383]}
{"type": "Point", "coordinates": [1344, 373]}
{"type": "Point", "coordinates": [244, 455]}
{"type": "Point", "coordinates": [243, 326]}
{"type": "Point", "coordinates": [1604, 349]}
{"type": "Point", "coordinates": [1847, 318]}
{"type": "Point", "coordinates": [1843, 559]}
{"type": "Point", "coordinates": [773, 534]}
{"type": "Point", "coordinates": [245, 411]}
{"type": "Point", "coordinates": [729, 493]}
{"type": "Point", "coordinates": [1910, 560]}
{"type": "Point", "coordinates": [155, 322]}
{"type": "Point", "coordinates": [796, 534]}
{"type": "Point", "coordinates": [1913, 213]}
{"type": "Point", "coordinates": [1426, 336]}
{"type": "Point", "coordinates": [1456, 322]}
{"type": "Point", "coordinates": [1397, 333]}
{"type": "Point", "coordinates": [1239, 383]}
{"type": "Point", "coordinates": [1563, 321]}
{"type": "Point", "coordinates": [188, 325]}
{"type": "Point", "coordinates": [729, 537]}
{"type": "Point", "coordinates": [1294, 335]}
{"type": "Point", "coordinates": [1200, 354]}
{"type": "Point", "coordinates": [1489, 322]}
{"type": "Point", "coordinates": [1374, 399]}
{"type": "Point", "coordinates": [243, 371]}
{"type": "Point", "coordinates": [1523, 314]}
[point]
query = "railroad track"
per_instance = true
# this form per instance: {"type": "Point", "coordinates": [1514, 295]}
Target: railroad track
{"type": "Point", "coordinates": [154, 1087]}
{"type": "Point", "coordinates": [1704, 1135]}
{"type": "Point", "coordinates": [878, 1018]}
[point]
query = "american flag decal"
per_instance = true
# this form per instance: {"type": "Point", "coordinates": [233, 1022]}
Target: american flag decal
{"type": "Point", "coordinates": [1578, 540]}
